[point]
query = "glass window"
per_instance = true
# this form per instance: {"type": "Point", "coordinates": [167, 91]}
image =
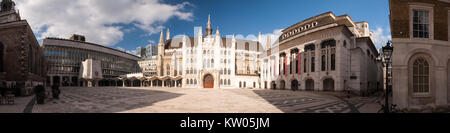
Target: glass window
{"type": "Point", "coordinates": [421, 24]}
{"type": "Point", "coordinates": [333, 62]}
{"type": "Point", "coordinates": [421, 76]}
{"type": "Point", "coordinates": [304, 65]}
{"type": "Point", "coordinates": [323, 63]}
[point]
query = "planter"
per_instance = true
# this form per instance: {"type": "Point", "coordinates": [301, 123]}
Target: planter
{"type": "Point", "coordinates": [55, 92]}
{"type": "Point", "coordinates": [40, 99]}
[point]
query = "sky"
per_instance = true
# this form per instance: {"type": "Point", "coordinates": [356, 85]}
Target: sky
{"type": "Point", "coordinates": [127, 24]}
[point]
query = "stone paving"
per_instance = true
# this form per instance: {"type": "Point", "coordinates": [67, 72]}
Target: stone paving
{"type": "Point", "coordinates": [19, 106]}
{"type": "Point", "coordinates": [181, 100]}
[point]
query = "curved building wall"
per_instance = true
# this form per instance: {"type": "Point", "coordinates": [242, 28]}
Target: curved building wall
{"type": "Point", "coordinates": [323, 53]}
{"type": "Point", "coordinates": [65, 57]}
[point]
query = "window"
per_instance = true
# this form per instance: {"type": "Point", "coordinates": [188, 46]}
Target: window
{"type": "Point", "coordinates": [345, 44]}
{"type": "Point", "coordinates": [333, 62]}
{"type": "Point", "coordinates": [229, 82]}
{"type": "Point", "coordinates": [421, 24]}
{"type": "Point", "coordinates": [421, 76]}
{"type": "Point", "coordinates": [304, 65]}
{"type": "Point", "coordinates": [168, 70]}
{"type": "Point", "coordinates": [290, 64]}
{"type": "Point", "coordinates": [323, 63]}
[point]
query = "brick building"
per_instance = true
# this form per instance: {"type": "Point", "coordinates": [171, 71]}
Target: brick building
{"type": "Point", "coordinates": [22, 62]}
{"type": "Point", "coordinates": [421, 57]}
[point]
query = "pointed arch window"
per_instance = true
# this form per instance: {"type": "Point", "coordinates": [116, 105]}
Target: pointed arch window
{"type": "Point", "coordinates": [421, 76]}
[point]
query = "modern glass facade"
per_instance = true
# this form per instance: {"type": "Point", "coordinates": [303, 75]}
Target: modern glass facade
{"type": "Point", "coordinates": [65, 57]}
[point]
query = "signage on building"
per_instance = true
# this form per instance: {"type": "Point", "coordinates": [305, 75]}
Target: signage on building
{"type": "Point", "coordinates": [298, 30]}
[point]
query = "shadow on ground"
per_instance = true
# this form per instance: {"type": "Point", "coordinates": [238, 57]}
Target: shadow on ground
{"type": "Point", "coordinates": [103, 100]}
{"type": "Point", "coordinates": [303, 101]}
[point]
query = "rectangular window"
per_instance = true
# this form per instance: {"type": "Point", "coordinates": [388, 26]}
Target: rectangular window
{"type": "Point", "coordinates": [304, 65]}
{"type": "Point", "coordinates": [421, 24]}
{"type": "Point", "coordinates": [323, 63]}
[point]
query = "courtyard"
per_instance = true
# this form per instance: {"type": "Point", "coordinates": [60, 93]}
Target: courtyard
{"type": "Point", "coordinates": [185, 100]}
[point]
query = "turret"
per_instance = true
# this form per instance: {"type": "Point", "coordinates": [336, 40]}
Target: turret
{"type": "Point", "coordinates": [168, 34]}
{"type": "Point", "coordinates": [208, 30]}
{"type": "Point", "coordinates": [161, 50]}
{"type": "Point", "coordinates": [269, 43]}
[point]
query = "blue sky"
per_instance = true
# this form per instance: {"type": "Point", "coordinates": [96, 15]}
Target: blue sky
{"type": "Point", "coordinates": [252, 16]}
{"type": "Point", "coordinates": [243, 17]}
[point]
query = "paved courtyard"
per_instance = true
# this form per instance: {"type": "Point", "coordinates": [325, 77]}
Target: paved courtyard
{"type": "Point", "coordinates": [181, 100]}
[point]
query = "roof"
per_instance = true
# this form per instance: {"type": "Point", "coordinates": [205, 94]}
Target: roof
{"type": "Point", "coordinates": [93, 44]}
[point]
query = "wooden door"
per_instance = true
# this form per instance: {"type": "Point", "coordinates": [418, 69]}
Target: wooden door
{"type": "Point", "coordinates": [208, 81]}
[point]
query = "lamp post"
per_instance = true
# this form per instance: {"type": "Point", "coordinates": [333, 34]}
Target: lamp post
{"type": "Point", "coordinates": [387, 54]}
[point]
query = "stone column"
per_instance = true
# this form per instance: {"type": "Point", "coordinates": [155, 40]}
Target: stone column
{"type": "Point", "coordinates": [123, 83]}
{"type": "Point", "coordinates": [70, 80]}
{"type": "Point", "coordinates": [151, 83]}
{"type": "Point", "coordinates": [60, 81]}
{"type": "Point", "coordinates": [51, 80]}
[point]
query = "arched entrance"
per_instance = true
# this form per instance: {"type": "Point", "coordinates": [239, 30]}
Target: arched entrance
{"type": "Point", "coordinates": [294, 85]}
{"type": "Point", "coordinates": [328, 84]}
{"type": "Point", "coordinates": [208, 81]}
{"type": "Point", "coordinates": [309, 85]}
{"type": "Point", "coordinates": [282, 85]}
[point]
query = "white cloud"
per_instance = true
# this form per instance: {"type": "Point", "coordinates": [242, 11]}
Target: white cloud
{"type": "Point", "coordinates": [128, 51]}
{"type": "Point", "coordinates": [98, 20]}
{"type": "Point", "coordinates": [380, 37]}
{"type": "Point", "coordinates": [120, 48]}
{"type": "Point", "coordinates": [151, 41]}
{"type": "Point", "coordinates": [133, 52]}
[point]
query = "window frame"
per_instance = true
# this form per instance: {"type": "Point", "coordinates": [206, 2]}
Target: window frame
{"type": "Point", "coordinates": [427, 75]}
{"type": "Point", "coordinates": [431, 71]}
{"type": "Point", "coordinates": [421, 7]}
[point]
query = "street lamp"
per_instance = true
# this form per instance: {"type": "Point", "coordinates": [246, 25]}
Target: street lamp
{"type": "Point", "coordinates": [387, 54]}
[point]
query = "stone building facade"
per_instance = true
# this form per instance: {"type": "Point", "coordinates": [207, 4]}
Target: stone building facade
{"type": "Point", "coordinates": [421, 57]}
{"type": "Point", "coordinates": [22, 62]}
{"type": "Point", "coordinates": [208, 61]}
{"type": "Point", "coordinates": [323, 53]}
{"type": "Point", "coordinates": [148, 66]}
